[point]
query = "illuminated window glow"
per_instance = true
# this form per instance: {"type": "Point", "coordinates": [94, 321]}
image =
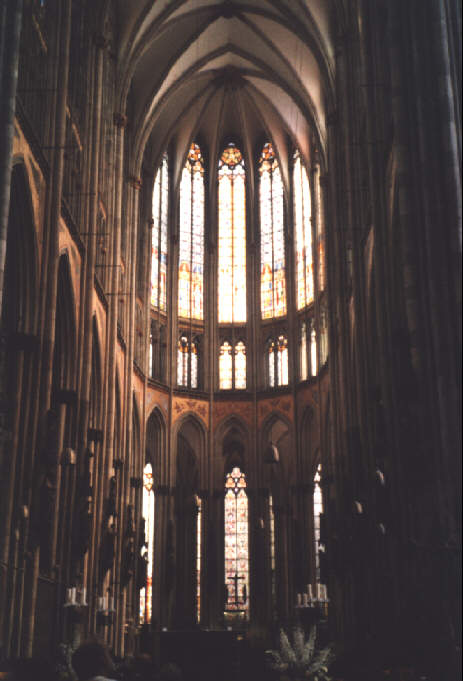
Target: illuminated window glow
{"type": "Point", "coordinates": [191, 237]}
{"type": "Point", "coordinates": [198, 559]}
{"type": "Point", "coordinates": [313, 349]}
{"type": "Point", "coordinates": [232, 237]}
{"type": "Point", "coordinates": [278, 361]}
{"type": "Point", "coordinates": [146, 593]}
{"type": "Point", "coordinates": [232, 366]}
{"type": "Point", "coordinates": [226, 367]}
{"type": "Point", "coordinates": [317, 511]}
{"type": "Point", "coordinates": [236, 543]}
{"type": "Point", "coordinates": [272, 245]}
{"type": "Point", "coordinates": [159, 238]}
{"type": "Point", "coordinates": [303, 233]}
{"type": "Point", "coordinates": [304, 374]}
{"type": "Point", "coordinates": [187, 362]}
{"type": "Point", "coordinates": [320, 231]}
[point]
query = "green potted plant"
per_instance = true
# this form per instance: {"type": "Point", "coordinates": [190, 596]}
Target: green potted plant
{"type": "Point", "coordinates": [300, 659]}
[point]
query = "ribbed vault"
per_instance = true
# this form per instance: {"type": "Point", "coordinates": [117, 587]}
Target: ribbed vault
{"type": "Point", "coordinates": [218, 70]}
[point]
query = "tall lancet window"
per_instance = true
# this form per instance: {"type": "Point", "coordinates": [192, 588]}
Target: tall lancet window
{"type": "Point", "coordinates": [272, 242]}
{"type": "Point", "coordinates": [232, 366]}
{"type": "Point", "coordinates": [146, 593]}
{"type": "Point", "coordinates": [303, 232]}
{"type": "Point", "coordinates": [236, 544]}
{"type": "Point", "coordinates": [159, 237]}
{"type": "Point", "coordinates": [317, 511]}
{"type": "Point", "coordinates": [232, 237]}
{"type": "Point", "coordinates": [277, 349]}
{"type": "Point", "coordinates": [191, 241]}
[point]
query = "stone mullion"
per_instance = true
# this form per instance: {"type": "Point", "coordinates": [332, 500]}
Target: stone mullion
{"type": "Point", "coordinates": [87, 297]}
{"type": "Point", "coordinates": [10, 32]}
{"type": "Point", "coordinates": [126, 457]}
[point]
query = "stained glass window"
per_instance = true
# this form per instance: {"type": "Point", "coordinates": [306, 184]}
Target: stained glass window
{"type": "Point", "coordinates": [303, 232]}
{"type": "Point", "coordinates": [323, 337]}
{"type": "Point", "coordinates": [146, 593]}
{"type": "Point", "coordinates": [277, 353]}
{"type": "Point", "coordinates": [191, 237]}
{"type": "Point", "coordinates": [320, 230]}
{"type": "Point", "coordinates": [226, 367]}
{"type": "Point", "coordinates": [187, 361]}
{"type": "Point", "coordinates": [272, 551]}
{"type": "Point", "coordinates": [236, 543]}
{"type": "Point", "coordinates": [240, 366]}
{"type": "Point", "coordinates": [303, 353]}
{"type": "Point", "coordinates": [232, 237]}
{"type": "Point", "coordinates": [272, 244]}
{"type": "Point", "coordinates": [317, 511]}
{"type": "Point", "coordinates": [232, 366]}
{"type": "Point", "coordinates": [198, 559]}
{"type": "Point", "coordinates": [182, 361]}
{"type": "Point", "coordinates": [159, 237]}
{"type": "Point", "coordinates": [313, 349]}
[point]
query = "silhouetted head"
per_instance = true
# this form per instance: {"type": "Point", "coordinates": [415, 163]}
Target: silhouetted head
{"type": "Point", "coordinates": [92, 659]}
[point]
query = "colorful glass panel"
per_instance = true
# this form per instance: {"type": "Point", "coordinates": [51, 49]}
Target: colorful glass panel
{"type": "Point", "coordinates": [273, 281]}
{"type": "Point", "coordinates": [240, 366]}
{"type": "Point", "coordinates": [282, 359]}
{"type": "Point", "coordinates": [303, 353]}
{"type": "Point", "coordinates": [236, 543]}
{"type": "Point", "coordinates": [159, 237]}
{"type": "Point", "coordinates": [320, 230]}
{"type": "Point", "coordinates": [146, 593]}
{"type": "Point", "coordinates": [182, 361]}
{"type": "Point", "coordinates": [226, 367]}
{"type": "Point", "coordinates": [313, 349]}
{"type": "Point", "coordinates": [303, 232]}
{"type": "Point", "coordinates": [198, 559]}
{"type": "Point", "coordinates": [271, 363]}
{"type": "Point", "coordinates": [194, 365]}
{"type": "Point", "coordinates": [191, 237]}
{"type": "Point", "coordinates": [317, 511]}
{"type": "Point", "coordinates": [232, 237]}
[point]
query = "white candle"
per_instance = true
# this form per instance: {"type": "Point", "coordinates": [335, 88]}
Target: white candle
{"type": "Point", "coordinates": [299, 599]}
{"type": "Point", "coordinates": [73, 596]}
{"type": "Point", "coordinates": [309, 589]}
{"type": "Point", "coordinates": [319, 592]}
{"type": "Point", "coordinates": [306, 599]}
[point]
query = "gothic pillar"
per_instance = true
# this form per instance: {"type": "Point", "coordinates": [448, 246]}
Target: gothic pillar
{"type": "Point", "coordinates": [10, 30]}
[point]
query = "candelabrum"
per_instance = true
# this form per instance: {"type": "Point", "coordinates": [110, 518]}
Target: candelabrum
{"type": "Point", "coordinates": [314, 597]}
{"type": "Point", "coordinates": [76, 601]}
{"type": "Point", "coordinates": [105, 609]}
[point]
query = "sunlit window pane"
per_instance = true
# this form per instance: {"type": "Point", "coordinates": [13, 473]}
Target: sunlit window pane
{"type": "Point", "coordinates": [191, 237]}
{"type": "Point", "coordinates": [146, 593]}
{"type": "Point", "coordinates": [282, 360]}
{"type": "Point", "coordinates": [226, 367]}
{"type": "Point", "coordinates": [240, 366]}
{"type": "Point", "coordinates": [232, 237]}
{"type": "Point", "coordinates": [313, 350]}
{"type": "Point", "coordinates": [303, 353]}
{"type": "Point", "coordinates": [182, 361]}
{"type": "Point", "coordinates": [273, 282]}
{"type": "Point", "coordinates": [317, 510]}
{"type": "Point", "coordinates": [159, 237]}
{"type": "Point", "coordinates": [236, 543]}
{"type": "Point", "coordinates": [303, 232]}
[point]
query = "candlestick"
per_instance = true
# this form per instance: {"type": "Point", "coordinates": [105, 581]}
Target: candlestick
{"type": "Point", "coordinates": [299, 599]}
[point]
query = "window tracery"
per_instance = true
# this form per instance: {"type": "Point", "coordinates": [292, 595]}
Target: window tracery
{"type": "Point", "coordinates": [277, 358]}
{"type": "Point", "coordinates": [232, 366]}
{"type": "Point", "coordinates": [302, 203]}
{"type": "Point", "coordinates": [232, 237]}
{"type": "Point", "coordinates": [272, 245]}
{"type": "Point", "coordinates": [187, 361]}
{"type": "Point", "coordinates": [160, 207]}
{"type": "Point", "coordinates": [236, 543]}
{"type": "Point", "coordinates": [191, 237]}
{"type": "Point", "coordinates": [146, 592]}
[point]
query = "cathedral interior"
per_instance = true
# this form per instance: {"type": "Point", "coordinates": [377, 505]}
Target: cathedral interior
{"type": "Point", "coordinates": [230, 369]}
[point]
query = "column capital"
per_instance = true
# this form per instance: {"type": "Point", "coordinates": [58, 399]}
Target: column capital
{"type": "Point", "coordinates": [120, 120]}
{"type": "Point", "coordinates": [135, 182]}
